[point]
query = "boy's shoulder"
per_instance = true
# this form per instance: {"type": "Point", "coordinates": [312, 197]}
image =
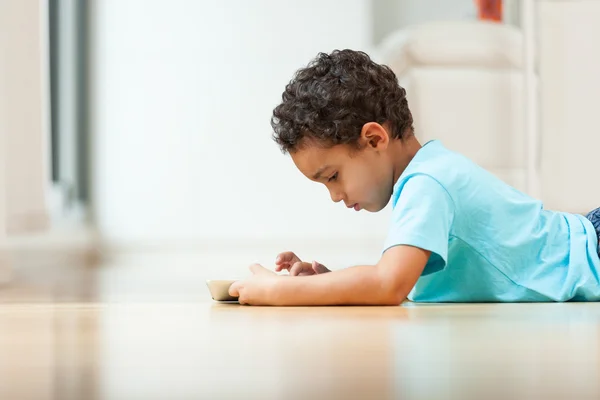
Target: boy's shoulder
{"type": "Point", "coordinates": [434, 156]}
{"type": "Point", "coordinates": [461, 178]}
{"type": "Point", "coordinates": [437, 162]}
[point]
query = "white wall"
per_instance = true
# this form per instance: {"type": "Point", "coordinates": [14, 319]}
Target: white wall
{"type": "Point", "coordinates": [23, 122]}
{"type": "Point", "coordinates": [392, 15]}
{"type": "Point", "coordinates": [569, 64]}
{"type": "Point", "coordinates": [23, 114]}
{"type": "Point", "coordinates": [182, 97]}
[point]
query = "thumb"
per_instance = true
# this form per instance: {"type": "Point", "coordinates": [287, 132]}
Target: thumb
{"type": "Point", "coordinates": [234, 289]}
{"type": "Point", "coordinates": [258, 269]}
{"type": "Point", "coordinates": [319, 268]}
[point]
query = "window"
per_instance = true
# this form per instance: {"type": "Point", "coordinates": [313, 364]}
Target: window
{"type": "Point", "coordinates": [69, 130]}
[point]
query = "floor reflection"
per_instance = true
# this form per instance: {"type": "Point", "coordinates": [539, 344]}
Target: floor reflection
{"type": "Point", "coordinates": [48, 352]}
{"type": "Point", "coordinates": [113, 333]}
{"type": "Point", "coordinates": [513, 351]}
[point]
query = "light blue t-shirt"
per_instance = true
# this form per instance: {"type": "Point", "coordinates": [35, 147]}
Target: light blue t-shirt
{"type": "Point", "coordinates": [489, 241]}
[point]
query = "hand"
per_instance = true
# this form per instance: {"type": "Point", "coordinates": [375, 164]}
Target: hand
{"type": "Point", "coordinates": [297, 267]}
{"type": "Point", "coordinates": [256, 290]}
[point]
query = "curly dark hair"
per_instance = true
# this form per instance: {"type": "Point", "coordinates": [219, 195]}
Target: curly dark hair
{"type": "Point", "coordinates": [334, 96]}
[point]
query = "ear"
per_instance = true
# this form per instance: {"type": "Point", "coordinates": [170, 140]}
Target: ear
{"type": "Point", "coordinates": [375, 136]}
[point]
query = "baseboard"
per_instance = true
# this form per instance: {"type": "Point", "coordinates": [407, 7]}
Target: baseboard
{"type": "Point", "coordinates": [72, 246]}
{"type": "Point", "coordinates": [6, 266]}
{"type": "Point", "coordinates": [241, 251]}
{"type": "Point", "coordinates": [228, 244]}
{"type": "Point", "coordinates": [21, 224]}
{"type": "Point", "coordinates": [83, 246]}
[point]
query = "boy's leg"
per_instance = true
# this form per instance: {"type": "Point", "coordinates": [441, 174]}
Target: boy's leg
{"type": "Point", "coordinates": [594, 217]}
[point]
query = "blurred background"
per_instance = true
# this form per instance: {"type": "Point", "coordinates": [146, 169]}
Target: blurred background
{"type": "Point", "coordinates": [140, 128]}
{"type": "Point", "coordinates": [136, 162]}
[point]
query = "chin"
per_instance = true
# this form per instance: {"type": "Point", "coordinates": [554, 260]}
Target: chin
{"type": "Point", "coordinates": [377, 203]}
{"type": "Point", "coordinates": [373, 209]}
{"type": "Point", "coordinates": [379, 206]}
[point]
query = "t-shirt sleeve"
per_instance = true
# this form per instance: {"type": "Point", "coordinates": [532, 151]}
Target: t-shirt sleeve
{"type": "Point", "coordinates": [422, 217]}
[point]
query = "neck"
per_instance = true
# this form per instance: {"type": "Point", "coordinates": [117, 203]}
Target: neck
{"type": "Point", "coordinates": [404, 151]}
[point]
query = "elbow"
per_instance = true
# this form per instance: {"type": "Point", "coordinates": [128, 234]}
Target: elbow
{"type": "Point", "coordinates": [393, 292]}
{"type": "Point", "coordinates": [393, 298]}
{"type": "Point", "coordinates": [393, 284]}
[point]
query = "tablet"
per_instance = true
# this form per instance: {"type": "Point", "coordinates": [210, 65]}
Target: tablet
{"type": "Point", "coordinates": [219, 290]}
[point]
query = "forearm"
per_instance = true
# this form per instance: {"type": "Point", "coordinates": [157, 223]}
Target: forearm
{"type": "Point", "coordinates": [360, 285]}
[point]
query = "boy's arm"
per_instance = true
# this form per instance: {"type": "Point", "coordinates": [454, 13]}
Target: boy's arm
{"type": "Point", "coordinates": [387, 283]}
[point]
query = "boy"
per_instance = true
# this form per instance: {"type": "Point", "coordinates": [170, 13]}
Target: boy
{"type": "Point", "coordinates": [458, 234]}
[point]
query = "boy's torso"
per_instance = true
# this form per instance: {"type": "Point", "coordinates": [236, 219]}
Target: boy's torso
{"type": "Point", "coordinates": [502, 244]}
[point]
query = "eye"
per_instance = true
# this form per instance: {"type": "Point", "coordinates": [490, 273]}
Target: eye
{"type": "Point", "coordinates": [333, 177]}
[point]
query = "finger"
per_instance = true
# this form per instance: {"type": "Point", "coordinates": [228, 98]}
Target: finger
{"type": "Point", "coordinates": [281, 267]}
{"type": "Point", "coordinates": [234, 289]}
{"type": "Point", "coordinates": [258, 269]}
{"type": "Point", "coordinates": [300, 268]}
{"type": "Point", "coordinates": [287, 257]}
{"type": "Point", "coordinates": [319, 268]}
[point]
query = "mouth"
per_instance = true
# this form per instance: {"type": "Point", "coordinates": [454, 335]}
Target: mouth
{"type": "Point", "coordinates": [356, 206]}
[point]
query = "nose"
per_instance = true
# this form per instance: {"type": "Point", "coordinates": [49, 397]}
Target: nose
{"type": "Point", "coordinates": [336, 197]}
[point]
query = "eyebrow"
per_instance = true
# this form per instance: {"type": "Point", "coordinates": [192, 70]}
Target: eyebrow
{"type": "Point", "coordinates": [320, 171]}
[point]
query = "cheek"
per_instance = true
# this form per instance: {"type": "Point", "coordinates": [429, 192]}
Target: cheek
{"type": "Point", "coordinates": [362, 183]}
{"type": "Point", "coordinates": [372, 180]}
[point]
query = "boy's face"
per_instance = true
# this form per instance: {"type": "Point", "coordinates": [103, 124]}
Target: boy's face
{"type": "Point", "coordinates": [363, 179]}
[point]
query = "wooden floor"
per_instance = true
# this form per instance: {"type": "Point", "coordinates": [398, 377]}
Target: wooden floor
{"type": "Point", "coordinates": [73, 338]}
